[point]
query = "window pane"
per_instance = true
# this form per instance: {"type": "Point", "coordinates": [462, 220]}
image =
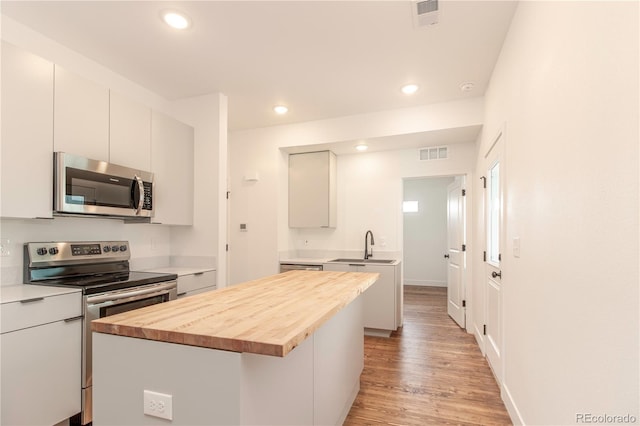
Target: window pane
{"type": "Point", "coordinates": [494, 214]}
{"type": "Point", "coordinates": [410, 206]}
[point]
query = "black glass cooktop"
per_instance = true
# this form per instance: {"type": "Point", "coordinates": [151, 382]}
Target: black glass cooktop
{"type": "Point", "coordinates": [104, 282]}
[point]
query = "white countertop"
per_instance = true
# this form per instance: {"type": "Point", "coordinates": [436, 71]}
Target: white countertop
{"type": "Point", "coordinates": [18, 292]}
{"type": "Point", "coordinates": [306, 260]}
{"type": "Point", "coordinates": [321, 261]}
{"type": "Point", "coordinates": [181, 270]}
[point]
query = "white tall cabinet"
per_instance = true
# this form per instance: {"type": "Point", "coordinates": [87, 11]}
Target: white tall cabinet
{"type": "Point", "coordinates": [129, 133]}
{"type": "Point", "coordinates": [172, 165]}
{"type": "Point", "coordinates": [81, 120]}
{"type": "Point", "coordinates": [312, 190]}
{"type": "Point", "coordinates": [27, 134]}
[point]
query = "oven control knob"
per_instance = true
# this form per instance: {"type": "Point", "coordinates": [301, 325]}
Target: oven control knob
{"type": "Point", "coordinates": [53, 250]}
{"type": "Point", "coordinates": [123, 248]}
{"type": "Point", "coordinates": [41, 251]}
{"type": "Point", "coordinates": [115, 248]}
{"type": "Point", "coordinates": [106, 249]}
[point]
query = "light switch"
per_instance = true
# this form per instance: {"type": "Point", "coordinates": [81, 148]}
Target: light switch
{"type": "Point", "coordinates": [243, 227]}
{"type": "Point", "coordinates": [516, 247]}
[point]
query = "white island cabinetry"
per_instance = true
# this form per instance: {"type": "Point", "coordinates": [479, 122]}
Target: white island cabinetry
{"type": "Point", "coordinates": [284, 349]}
{"type": "Point", "coordinates": [27, 127]}
{"type": "Point", "coordinates": [40, 337]}
{"type": "Point", "coordinates": [383, 301]}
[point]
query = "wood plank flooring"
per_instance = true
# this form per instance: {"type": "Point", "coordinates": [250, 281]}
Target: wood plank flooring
{"type": "Point", "coordinates": [430, 372]}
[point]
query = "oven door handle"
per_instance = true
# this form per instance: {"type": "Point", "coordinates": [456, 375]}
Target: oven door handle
{"type": "Point", "coordinates": [129, 296]}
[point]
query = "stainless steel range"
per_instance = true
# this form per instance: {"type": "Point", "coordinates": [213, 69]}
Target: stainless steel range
{"type": "Point", "coordinates": [101, 270]}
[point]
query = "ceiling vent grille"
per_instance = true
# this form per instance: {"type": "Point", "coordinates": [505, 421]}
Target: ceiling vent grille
{"type": "Point", "coordinates": [434, 153]}
{"type": "Point", "coordinates": [425, 13]}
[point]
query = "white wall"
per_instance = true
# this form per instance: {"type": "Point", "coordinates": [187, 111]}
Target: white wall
{"type": "Point", "coordinates": [369, 184]}
{"type": "Point", "coordinates": [566, 89]}
{"type": "Point", "coordinates": [425, 232]}
{"type": "Point", "coordinates": [207, 114]}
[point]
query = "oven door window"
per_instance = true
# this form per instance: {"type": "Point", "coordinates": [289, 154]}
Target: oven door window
{"type": "Point", "coordinates": [106, 311]}
{"type": "Point", "coordinates": [97, 189]}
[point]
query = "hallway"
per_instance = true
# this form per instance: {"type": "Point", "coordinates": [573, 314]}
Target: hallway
{"type": "Point", "coordinates": [429, 372]}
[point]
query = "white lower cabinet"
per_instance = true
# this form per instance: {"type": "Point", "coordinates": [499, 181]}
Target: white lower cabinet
{"type": "Point", "coordinates": [382, 301]}
{"type": "Point", "coordinates": [41, 363]}
{"type": "Point", "coordinates": [191, 284]}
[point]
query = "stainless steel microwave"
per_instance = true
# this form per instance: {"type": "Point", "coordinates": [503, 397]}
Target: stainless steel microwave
{"type": "Point", "coordinates": [90, 187]}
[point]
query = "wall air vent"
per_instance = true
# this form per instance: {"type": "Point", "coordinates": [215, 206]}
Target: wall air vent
{"type": "Point", "coordinates": [434, 153]}
{"type": "Point", "coordinates": [425, 13]}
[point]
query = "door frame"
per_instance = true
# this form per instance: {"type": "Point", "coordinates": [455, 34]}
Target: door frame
{"type": "Point", "coordinates": [467, 270]}
{"type": "Point", "coordinates": [490, 157]}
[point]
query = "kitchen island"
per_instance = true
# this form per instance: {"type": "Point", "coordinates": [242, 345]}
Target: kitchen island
{"type": "Point", "coordinates": [284, 349]}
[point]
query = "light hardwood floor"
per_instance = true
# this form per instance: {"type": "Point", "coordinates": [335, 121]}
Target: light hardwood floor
{"type": "Point", "coordinates": [430, 372]}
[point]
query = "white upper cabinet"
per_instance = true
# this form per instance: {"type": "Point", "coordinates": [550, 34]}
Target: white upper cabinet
{"type": "Point", "coordinates": [130, 133]}
{"type": "Point", "coordinates": [81, 121]}
{"type": "Point", "coordinates": [312, 190]}
{"type": "Point", "coordinates": [172, 165]}
{"type": "Point", "coordinates": [27, 134]}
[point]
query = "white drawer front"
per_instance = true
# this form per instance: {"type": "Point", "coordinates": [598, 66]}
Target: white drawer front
{"type": "Point", "coordinates": [37, 311]}
{"type": "Point", "coordinates": [198, 291]}
{"type": "Point", "coordinates": [192, 282]}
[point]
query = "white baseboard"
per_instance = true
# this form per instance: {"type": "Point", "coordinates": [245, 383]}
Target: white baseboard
{"type": "Point", "coordinates": [511, 407]}
{"type": "Point", "coordinates": [425, 283]}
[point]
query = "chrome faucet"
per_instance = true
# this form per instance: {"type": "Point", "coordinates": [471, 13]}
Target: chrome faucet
{"type": "Point", "coordinates": [366, 245]}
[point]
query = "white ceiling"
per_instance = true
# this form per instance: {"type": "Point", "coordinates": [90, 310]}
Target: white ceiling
{"type": "Point", "coordinates": [322, 59]}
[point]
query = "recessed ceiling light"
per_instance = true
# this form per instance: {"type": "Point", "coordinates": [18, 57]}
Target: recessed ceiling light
{"type": "Point", "coordinates": [280, 109]}
{"type": "Point", "coordinates": [361, 147]}
{"type": "Point", "coordinates": [176, 20]}
{"type": "Point", "coordinates": [409, 89]}
{"type": "Point", "coordinates": [467, 87]}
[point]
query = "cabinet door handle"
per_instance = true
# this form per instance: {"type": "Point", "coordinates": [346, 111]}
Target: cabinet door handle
{"type": "Point", "coordinates": [198, 273]}
{"type": "Point", "coordinates": [357, 264]}
{"type": "Point", "coordinates": [181, 294]}
{"type": "Point", "coordinates": [73, 319]}
{"type": "Point", "coordinates": [35, 299]}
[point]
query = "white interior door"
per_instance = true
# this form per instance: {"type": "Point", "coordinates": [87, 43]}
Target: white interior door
{"type": "Point", "coordinates": [455, 254]}
{"type": "Point", "coordinates": [494, 234]}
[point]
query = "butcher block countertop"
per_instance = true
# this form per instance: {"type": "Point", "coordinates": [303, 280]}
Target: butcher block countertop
{"type": "Point", "coordinates": [267, 316]}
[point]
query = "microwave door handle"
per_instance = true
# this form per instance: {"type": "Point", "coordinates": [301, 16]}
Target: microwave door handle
{"type": "Point", "coordinates": [141, 197]}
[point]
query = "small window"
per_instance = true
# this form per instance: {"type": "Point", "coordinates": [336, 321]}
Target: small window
{"type": "Point", "coordinates": [409, 206]}
{"type": "Point", "coordinates": [494, 214]}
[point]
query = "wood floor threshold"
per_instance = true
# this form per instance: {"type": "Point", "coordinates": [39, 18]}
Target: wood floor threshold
{"type": "Point", "coordinates": [429, 372]}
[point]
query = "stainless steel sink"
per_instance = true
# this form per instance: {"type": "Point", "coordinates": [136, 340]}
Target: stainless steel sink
{"type": "Point", "coordinates": [362, 260]}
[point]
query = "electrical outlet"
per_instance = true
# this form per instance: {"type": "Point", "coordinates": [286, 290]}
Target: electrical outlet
{"type": "Point", "coordinates": [158, 405]}
{"type": "Point", "coordinates": [5, 247]}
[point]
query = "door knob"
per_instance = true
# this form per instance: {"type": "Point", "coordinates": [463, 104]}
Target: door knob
{"type": "Point", "coordinates": [496, 274]}
{"type": "Point", "coordinates": [446, 256]}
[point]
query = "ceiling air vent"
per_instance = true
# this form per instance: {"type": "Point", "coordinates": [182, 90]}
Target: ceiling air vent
{"type": "Point", "coordinates": [434, 153]}
{"type": "Point", "coordinates": [425, 13]}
